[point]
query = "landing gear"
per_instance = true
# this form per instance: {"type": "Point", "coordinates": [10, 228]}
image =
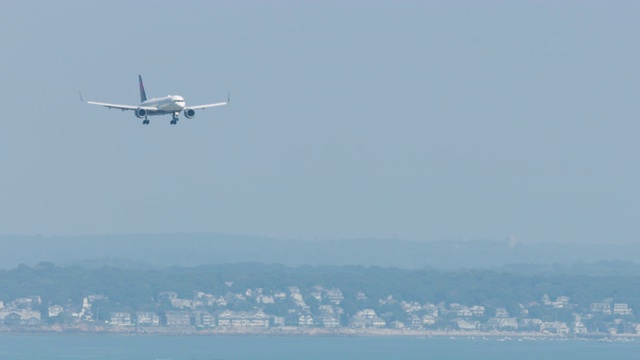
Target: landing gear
{"type": "Point", "coordinates": [145, 122]}
{"type": "Point", "coordinates": [174, 119]}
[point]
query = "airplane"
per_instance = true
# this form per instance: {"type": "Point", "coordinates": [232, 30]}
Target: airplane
{"type": "Point", "coordinates": [170, 104]}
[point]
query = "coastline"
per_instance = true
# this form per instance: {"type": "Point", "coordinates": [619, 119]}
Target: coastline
{"type": "Point", "coordinates": [92, 329]}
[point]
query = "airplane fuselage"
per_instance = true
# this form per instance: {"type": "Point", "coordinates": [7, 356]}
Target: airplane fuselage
{"type": "Point", "coordinates": [166, 105]}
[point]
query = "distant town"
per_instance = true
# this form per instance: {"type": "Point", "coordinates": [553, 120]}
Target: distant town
{"type": "Point", "coordinates": [317, 310]}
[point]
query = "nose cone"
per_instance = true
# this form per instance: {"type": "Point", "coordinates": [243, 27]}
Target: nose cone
{"type": "Point", "coordinates": [178, 102]}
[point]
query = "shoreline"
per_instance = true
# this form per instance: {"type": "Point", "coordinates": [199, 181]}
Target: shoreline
{"type": "Point", "coordinates": [292, 331]}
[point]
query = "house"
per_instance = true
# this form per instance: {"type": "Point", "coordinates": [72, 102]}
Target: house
{"type": "Point", "coordinates": [30, 318]}
{"type": "Point", "coordinates": [11, 318]}
{"type": "Point", "coordinates": [256, 319]}
{"type": "Point", "coordinates": [26, 302]}
{"type": "Point", "coordinates": [378, 323]}
{"type": "Point", "coordinates": [622, 309]}
{"type": "Point", "coordinates": [94, 298]}
{"type": "Point", "coordinates": [464, 312]}
{"type": "Point", "coordinates": [335, 296]}
{"type": "Point", "coordinates": [147, 319]}
{"type": "Point", "coordinates": [178, 318]}
{"type": "Point", "coordinates": [428, 320]}
{"type": "Point", "coordinates": [330, 321]}
{"type": "Point", "coordinates": [182, 303]}
{"type": "Point", "coordinates": [265, 299]}
{"type": "Point", "coordinates": [366, 313]}
{"type": "Point", "coordinates": [202, 319]}
{"type": "Point", "coordinates": [305, 320]}
{"type": "Point", "coordinates": [278, 321]}
{"type": "Point", "coordinates": [477, 310]}
{"type": "Point", "coordinates": [358, 322]}
{"type": "Point", "coordinates": [205, 299]}
{"type": "Point", "coordinates": [561, 302]}
{"type": "Point", "coordinates": [555, 327]}
{"type": "Point", "coordinates": [603, 308]}
{"type": "Point", "coordinates": [579, 328]}
{"type": "Point", "coordinates": [120, 318]}
{"type": "Point", "coordinates": [55, 310]}
{"type": "Point", "coordinates": [20, 317]}
{"type": "Point", "coordinates": [366, 318]}
{"type": "Point", "coordinates": [410, 307]}
{"type": "Point", "coordinates": [465, 325]}
{"type": "Point", "coordinates": [415, 322]}
{"type": "Point", "coordinates": [221, 301]}
{"type": "Point", "coordinates": [528, 324]}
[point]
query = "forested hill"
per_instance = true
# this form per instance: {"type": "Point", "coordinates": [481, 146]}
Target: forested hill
{"type": "Point", "coordinates": [135, 290]}
{"type": "Point", "coordinates": [156, 251]}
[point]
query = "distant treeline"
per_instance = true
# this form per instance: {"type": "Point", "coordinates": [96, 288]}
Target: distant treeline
{"type": "Point", "coordinates": [137, 290]}
{"type": "Point", "coordinates": [146, 251]}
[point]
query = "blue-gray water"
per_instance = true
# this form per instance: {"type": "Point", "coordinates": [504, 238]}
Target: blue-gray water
{"type": "Point", "coordinates": [91, 347]}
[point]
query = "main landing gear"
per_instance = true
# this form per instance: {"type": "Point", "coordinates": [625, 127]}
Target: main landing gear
{"type": "Point", "coordinates": [145, 122]}
{"type": "Point", "coordinates": [174, 119]}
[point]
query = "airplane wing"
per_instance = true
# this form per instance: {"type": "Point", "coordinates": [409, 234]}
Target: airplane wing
{"type": "Point", "coordinates": [199, 107]}
{"type": "Point", "coordinates": [119, 106]}
{"type": "Point", "coordinates": [123, 107]}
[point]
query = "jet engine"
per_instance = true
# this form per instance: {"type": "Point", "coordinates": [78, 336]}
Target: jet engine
{"type": "Point", "coordinates": [140, 113]}
{"type": "Point", "coordinates": [189, 113]}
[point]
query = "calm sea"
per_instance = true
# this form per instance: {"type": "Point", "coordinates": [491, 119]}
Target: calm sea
{"type": "Point", "coordinates": [102, 347]}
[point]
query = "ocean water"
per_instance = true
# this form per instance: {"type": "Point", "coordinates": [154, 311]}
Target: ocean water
{"type": "Point", "coordinates": [103, 347]}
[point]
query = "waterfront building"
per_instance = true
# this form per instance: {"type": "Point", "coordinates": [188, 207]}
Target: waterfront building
{"type": "Point", "coordinates": [20, 317]}
{"type": "Point", "coordinates": [147, 319]}
{"type": "Point", "coordinates": [178, 318]}
{"type": "Point", "coordinates": [256, 319]}
{"type": "Point", "coordinates": [120, 318]}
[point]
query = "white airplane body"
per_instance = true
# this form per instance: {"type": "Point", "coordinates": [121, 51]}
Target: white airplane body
{"type": "Point", "coordinates": [171, 104]}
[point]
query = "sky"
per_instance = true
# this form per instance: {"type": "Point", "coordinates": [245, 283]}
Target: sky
{"type": "Point", "coordinates": [417, 120]}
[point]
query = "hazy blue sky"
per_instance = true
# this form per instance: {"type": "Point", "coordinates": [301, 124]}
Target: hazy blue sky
{"type": "Point", "coordinates": [414, 120]}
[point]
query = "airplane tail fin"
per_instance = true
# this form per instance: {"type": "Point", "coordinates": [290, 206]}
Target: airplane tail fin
{"type": "Point", "coordinates": [143, 95]}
